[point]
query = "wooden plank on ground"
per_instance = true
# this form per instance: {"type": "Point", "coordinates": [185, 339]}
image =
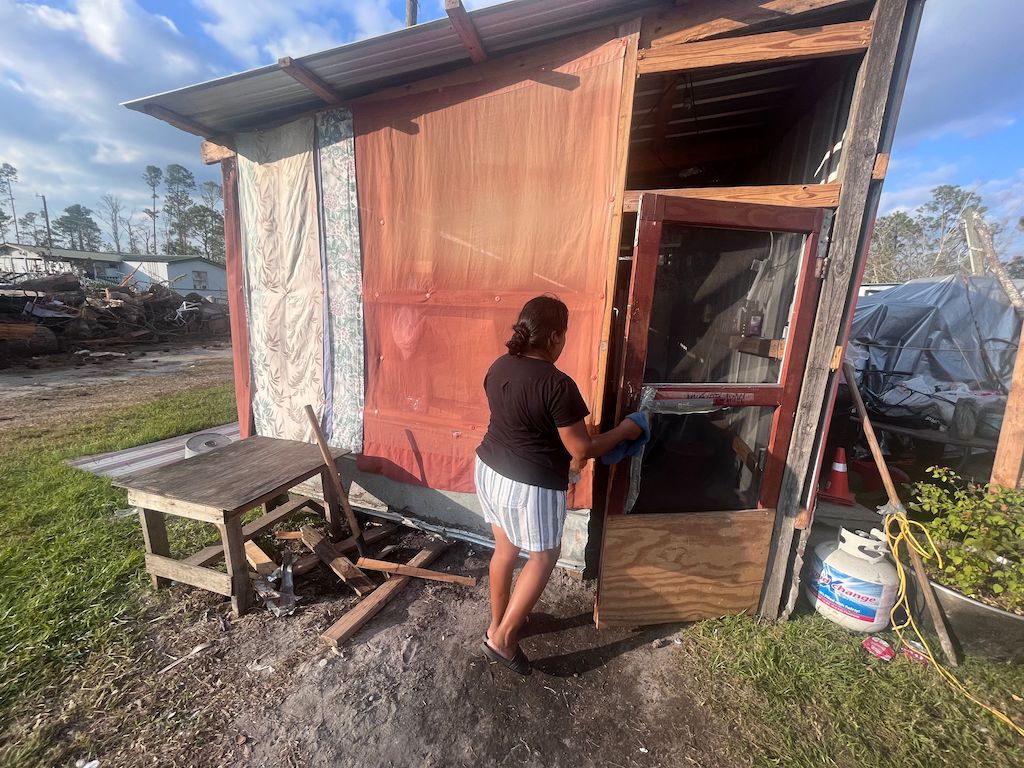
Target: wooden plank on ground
{"type": "Point", "coordinates": [307, 563]}
{"type": "Point", "coordinates": [182, 572]}
{"type": "Point", "coordinates": [352, 621]}
{"type": "Point", "coordinates": [215, 552]}
{"type": "Point", "coordinates": [258, 559]}
{"type": "Point", "coordinates": [796, 45]}
{"type": "Point", "coordinates": [420, 573]}
{"type": "Point", "coordinates": [337, 562]}
{"type": "Point", "coordinates": [690, 22]}
{"type": "Point", "coordinates": [799, 195]}
{"type": "Point", "coordinates": [682, 567]}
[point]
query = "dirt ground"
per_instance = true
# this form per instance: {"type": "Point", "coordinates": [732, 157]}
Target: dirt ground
{"type": "Point", "coordinates": [410, 689]}
{"type": "Point", "coordinates": [64, 384]}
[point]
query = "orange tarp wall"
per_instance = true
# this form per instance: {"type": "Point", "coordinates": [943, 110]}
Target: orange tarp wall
{"type": "Point", "coordinates": [473, 199]}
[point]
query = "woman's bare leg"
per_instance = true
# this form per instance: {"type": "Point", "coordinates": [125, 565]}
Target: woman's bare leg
{"type": "Point", "coordinates": [529, 586]}
{"type": "Point", "coordinates": [503, 563]}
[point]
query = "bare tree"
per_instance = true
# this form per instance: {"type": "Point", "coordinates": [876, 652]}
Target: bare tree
{"type": "Point", "coordinates": [136, 232]}
{"type": "Point", "coordinates": [110, 211]}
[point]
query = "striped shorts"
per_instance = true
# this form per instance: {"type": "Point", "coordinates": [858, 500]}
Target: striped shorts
{"type": "Point", "coordinates": [531, 517]}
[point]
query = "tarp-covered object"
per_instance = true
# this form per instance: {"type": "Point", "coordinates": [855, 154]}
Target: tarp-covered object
{"type": "Point", "coordinates": [923, 347]}
{"type": "Point", "coordinates": [473, 199]}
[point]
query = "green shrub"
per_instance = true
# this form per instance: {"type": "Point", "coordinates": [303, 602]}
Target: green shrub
{"type": "Point", "coordinates": [979, 530]}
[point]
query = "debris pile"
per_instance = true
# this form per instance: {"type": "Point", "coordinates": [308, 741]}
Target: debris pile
{"type": "Point", "coordinates": [46, 313]}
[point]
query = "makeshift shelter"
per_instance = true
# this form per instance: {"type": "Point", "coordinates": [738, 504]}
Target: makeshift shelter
{"type": "Point", "coordinates": [695, 182]}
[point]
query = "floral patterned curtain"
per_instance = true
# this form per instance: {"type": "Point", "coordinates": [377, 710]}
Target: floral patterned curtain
{"type": "Point", "coordinates": [343, 280]}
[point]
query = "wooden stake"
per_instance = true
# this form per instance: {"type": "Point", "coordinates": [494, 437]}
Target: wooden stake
{"type": "Point", "coordinates": [335, 478]}
{"type": "Point", "coordinates": [894, 500]}
{"type": "Point", "coordinates": [420, 573]}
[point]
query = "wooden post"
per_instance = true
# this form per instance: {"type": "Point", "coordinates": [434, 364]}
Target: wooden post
{"type": "Point", "coordinates": [411, 7]}
{"type": "Point", "coordinates": [873, 93]}
{"type": "Point", "coordinates": [1009, 463]}
{"type": "Point", "coordinates": [154, 533]}
{"type": "Point", "coordinates": [238, 567]}
{"type": "Point", "coordinates": [234, 268]}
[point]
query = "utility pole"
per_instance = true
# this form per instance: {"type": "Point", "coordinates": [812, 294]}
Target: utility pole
{"type": "Point", "coordinates": [46, 216]}
{"type": "Point", "coordinates": [410, 12]}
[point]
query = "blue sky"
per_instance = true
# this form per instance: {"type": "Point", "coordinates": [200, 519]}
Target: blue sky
{"type": "Point", "coordinates": [66, 64]}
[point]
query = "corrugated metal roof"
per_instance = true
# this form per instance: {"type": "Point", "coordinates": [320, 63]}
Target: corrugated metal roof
{"type": "Point", "coordinates": [265, 94]}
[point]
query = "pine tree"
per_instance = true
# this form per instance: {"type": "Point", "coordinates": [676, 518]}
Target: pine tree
{"type": "Point", "coordinates": [179, 184]}
{"type": "Point", "coordinates": [76, 229]}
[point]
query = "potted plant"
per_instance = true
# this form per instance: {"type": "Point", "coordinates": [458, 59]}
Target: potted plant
{"type": "Point", "coordinates": [978, 530]}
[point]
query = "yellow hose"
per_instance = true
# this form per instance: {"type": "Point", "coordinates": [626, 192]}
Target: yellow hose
{"type": "Point", "coordinates": [904, 534]}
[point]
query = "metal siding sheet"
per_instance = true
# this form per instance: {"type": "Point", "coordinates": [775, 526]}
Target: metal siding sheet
{"type": "Point", "coordinates": [262, 95]}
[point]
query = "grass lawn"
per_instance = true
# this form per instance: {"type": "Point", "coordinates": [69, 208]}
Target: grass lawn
{"type": "Point", "coordinates": [72, 585]}
{"type": "Point", "coordinates": [71, 570]}
{"type": "Point", "coordinates": [804, 693]}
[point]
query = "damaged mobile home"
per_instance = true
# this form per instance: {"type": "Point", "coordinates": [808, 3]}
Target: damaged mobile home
{"type": "Point", "coordinates": [697, 181]}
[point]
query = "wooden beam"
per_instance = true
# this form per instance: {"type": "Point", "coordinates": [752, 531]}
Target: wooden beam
{"type": "Point", "coordinates": [796, 45]}
{"type": "Point", "coordinates": [366, 609]}
{"type": "Point", "coordinates": [464, 27]}
{"type": "Point", "coordinates": [850, 232]}
{"type": "Point", "coordinates": [181, 122]}
{"type": "Point", "coordinates": [336, 561]}
{"type": "Point", "coordinates": [212, 153]}
{"type": "Point", "coordinates": [264, 522]}
{"type": "Point", "coordinates": [310, 80]}
{"type": "Point", "coordinates": [630, 34]}
{"type": "Point", "coordinates": [700, 21]}
{"type": "Point", "coordinates": [234, 268]}
{"type": "Point", "coordinates": [420, 573]}
{"type": "Point", "coordinates": [800, 195]}
{"type": "Point", "coordinates": [1009, 462]}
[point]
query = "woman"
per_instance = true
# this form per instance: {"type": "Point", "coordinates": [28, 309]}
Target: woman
{"type": "Point", "coordinates": [535, 437]}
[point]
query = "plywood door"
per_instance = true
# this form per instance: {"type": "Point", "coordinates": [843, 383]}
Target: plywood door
{"type": "Point", "coordinates": [682, 567]}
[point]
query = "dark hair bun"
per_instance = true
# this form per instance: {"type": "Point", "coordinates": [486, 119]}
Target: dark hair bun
{"type": "Point", "coordinates": [539, 319]}
{"type": "Point", "coordinates": [520, 340]}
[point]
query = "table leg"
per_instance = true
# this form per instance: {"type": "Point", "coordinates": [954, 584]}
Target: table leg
{"type": "Point", "coordinates": [154, 533]}
{"type": "Point", "coordinates": [332, 506]}
{"type": "Point", "coordinates": [238, 568]}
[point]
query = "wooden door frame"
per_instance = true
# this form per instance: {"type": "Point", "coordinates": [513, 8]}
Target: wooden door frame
{"type": "Point", "coordinates": [655, 210]}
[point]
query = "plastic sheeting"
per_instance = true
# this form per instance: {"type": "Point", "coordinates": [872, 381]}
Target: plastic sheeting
{"type": "Point", "coordinates": [473, 199]}
{"type": "Point", "coordinates": [281, 242]}
{"type": "Point", "coordinates": [932, 347]}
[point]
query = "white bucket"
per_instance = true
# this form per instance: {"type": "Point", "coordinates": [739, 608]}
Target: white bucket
{"type": "Point", "coordinates": [852, 582]}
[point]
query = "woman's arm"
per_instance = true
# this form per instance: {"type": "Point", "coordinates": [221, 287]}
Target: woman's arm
{"type": "Point", "coordinates": [581, 446]}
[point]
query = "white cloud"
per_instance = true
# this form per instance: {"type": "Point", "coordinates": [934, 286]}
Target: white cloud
{"type": "Point", "coordinates": [63, 72]}
{"type": "Point", "coordinates": [270, 29]}
{"type": "Point", "coordinates": [965, 78]}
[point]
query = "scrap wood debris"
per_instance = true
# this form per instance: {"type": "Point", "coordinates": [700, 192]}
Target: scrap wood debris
{"type": "Point", "coordinates": [43, 312]}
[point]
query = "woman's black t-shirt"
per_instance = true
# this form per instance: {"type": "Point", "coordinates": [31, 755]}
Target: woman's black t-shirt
{"type": "Point", "coordinates": [529, 400]}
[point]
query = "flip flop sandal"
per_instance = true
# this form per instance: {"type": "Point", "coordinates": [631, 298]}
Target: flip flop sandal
{"type": "Point", "coordinates": [518, 663]}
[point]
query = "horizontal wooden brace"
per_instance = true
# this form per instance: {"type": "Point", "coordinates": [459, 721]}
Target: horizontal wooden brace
{"type": "Point", "coordinates": [796, 45]}
{"type": "Point", "coordinates": [184, 573]}
{"type": "Point", "coordinates": [799, 195]}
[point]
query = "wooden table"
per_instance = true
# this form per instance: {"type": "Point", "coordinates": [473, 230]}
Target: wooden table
{"type": "Point", "coordinates": [218, 487]}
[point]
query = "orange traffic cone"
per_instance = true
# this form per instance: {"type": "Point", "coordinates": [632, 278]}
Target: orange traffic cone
{"type": "Point", "coordinates": [838, 488]}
